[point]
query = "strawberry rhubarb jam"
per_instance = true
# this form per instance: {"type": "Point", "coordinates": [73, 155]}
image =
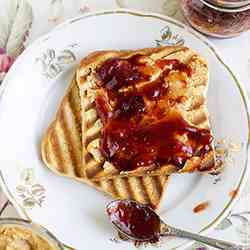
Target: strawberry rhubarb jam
{"type": "Point", "coordinates": [141, 128]}
{"type": "Point", "coordinates": [138, 221]}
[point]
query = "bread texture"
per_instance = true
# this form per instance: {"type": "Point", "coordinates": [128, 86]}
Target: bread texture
{"type": "Point", "coordinates": [61, 151]}
{"type": "Point", "coordinates": [191, 105]}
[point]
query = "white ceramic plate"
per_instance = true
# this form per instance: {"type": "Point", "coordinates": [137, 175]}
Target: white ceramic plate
{"type": "Point", "coordinates": [32, 91]}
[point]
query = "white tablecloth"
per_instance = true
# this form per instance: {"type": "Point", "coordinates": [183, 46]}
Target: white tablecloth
{"type": "Point", "coordinates": [48, 13]}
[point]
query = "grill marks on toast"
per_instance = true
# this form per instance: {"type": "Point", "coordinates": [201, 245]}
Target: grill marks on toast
{"type": "Point", "coordinates": [147, 190]}
{"type": "Point", "coordinates": [143, 191]}
{"type": "Point", "coordinates": [58, 156]}
{"type": "Point", "coordinates": [193, 109]}
{"type": "Point", "coordinates": [70, 137]}
{"type": "Point", "coordinates": [62, 153]}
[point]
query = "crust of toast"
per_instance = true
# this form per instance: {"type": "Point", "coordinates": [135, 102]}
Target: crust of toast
{"type": "Point", "coordinates": [193, 109]}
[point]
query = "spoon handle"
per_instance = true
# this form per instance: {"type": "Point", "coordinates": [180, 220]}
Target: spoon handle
{"type": "Point", "coordinates": [219, 244]}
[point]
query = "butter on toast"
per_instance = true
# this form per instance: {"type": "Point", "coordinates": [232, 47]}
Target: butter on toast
{"type": "Point", "coordinates": [184, 75]}
{"type": "Point", "coordinates": [62, 153]}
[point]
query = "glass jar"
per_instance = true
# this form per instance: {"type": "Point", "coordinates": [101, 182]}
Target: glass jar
{"type": "Point", "coordinates": [219, 18]}
{"type": "Point", "coordinates": [16, 232]}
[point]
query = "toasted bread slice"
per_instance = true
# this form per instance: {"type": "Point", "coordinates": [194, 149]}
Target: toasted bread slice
{"type": "Point", "coordinates": [61, 151]}
{"type": "Point", "coordinates": [187, 92]}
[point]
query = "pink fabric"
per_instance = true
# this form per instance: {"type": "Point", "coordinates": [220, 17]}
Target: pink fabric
{"type": "Point", "coordinates": [5, 61]}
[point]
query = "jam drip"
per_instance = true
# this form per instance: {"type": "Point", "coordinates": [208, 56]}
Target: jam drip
{"type": "Point", "coordinates": [140, 129]}
{"type": "Point", "coordinates": [134, 219]}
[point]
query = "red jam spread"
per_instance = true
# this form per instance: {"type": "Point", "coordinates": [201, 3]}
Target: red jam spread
{"type": "Point", "coordinates": [116, 73]}
{"type": "Point", "coordinates": [136, 220]}
{"type": "Point", "coordinates": [140, 129]}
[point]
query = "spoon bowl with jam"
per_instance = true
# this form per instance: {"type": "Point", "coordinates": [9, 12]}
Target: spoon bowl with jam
{"type": "Point", "coordinates": [140, 223]}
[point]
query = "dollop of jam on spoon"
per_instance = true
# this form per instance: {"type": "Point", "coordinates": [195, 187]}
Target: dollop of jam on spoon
{"type": "Point", "coordinates": [134, 220]}
{"type": "Point", "coordinates": [140, 223]}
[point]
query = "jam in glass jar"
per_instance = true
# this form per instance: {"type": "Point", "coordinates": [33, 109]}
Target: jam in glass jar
{"type": "Point", "coordinates": [218, 18]}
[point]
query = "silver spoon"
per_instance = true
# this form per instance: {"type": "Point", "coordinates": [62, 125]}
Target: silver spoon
{"type": "Point", "coordinates": [139, 222]}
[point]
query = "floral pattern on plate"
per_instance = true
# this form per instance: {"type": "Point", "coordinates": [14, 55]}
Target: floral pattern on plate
{"type": "Point", "coordinates": [53, 62]}
{"type": "Point", "coordinates": [169, 39]}
{"type": "Point", "coordinates": [30, 192]}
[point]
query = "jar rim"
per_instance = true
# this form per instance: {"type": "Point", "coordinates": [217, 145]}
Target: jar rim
{"type": "Point", "coordinates": [228, 5]}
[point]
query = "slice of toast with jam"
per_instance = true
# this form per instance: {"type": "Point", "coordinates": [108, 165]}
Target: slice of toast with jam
{"type": "Point", "coordinates": [144, 113]}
